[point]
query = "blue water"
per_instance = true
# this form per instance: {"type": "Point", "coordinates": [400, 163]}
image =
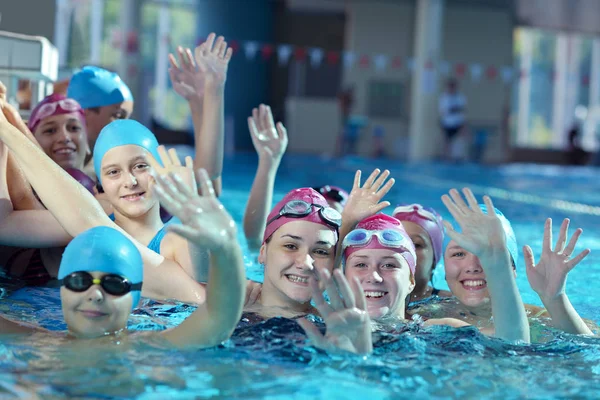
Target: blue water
{"type": "Point", "coordinates": [271, 360]}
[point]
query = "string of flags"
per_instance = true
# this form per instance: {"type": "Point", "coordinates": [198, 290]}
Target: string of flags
{"type": "Point", "coordinates": [316, 57]}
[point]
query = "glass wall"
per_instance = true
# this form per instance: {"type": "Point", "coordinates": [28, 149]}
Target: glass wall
{"type": "Point", "coordinates": [91, 32]}
{"type": "Point", "coordinates": [556, 89]}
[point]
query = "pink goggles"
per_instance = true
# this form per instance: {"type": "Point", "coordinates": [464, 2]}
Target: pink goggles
{"type": "Point", "coordinates": [62, 106]}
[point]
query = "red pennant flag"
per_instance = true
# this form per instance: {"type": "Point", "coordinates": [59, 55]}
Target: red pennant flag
{"type": "Point", "coordinates": [491, 72]}
{"type": "Point", "coordinates": [429, 65]}
{"type": "Point", "coordinates": [300, 53]}
{"type": "Point", "coordinates": [267, 51]}
{"type": "Point", "coordinates": [235, 46]}
{"type": "Point", "coordinates": [460, 70]}
{"type": "Point", "coordinates": [397, 62]}
{"type": "Point", "coordinates": [585, 80]}
{"type": "Point", "coordinates": [523, 74]}
{"type": "Point", "coordinates": [333, 57]}
{"type": "Point", "coordinates": [364, 61]}
{"type": "Point", "coordinates": [133, 44]}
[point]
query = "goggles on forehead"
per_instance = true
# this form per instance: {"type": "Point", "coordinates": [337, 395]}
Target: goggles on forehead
{"type": "Point", "coordinates": [113, 284]}
{"type": "Point", "coordinates": [387, 237]}
{"type": "Point", "coordinates": [300, 208]}
{"type": "Point", "coordinates": [49, 109]}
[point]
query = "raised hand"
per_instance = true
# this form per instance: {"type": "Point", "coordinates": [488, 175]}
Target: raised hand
{"type": "Point", "coordinates": [269, 140]}
{"type": "Point", "coordinates": [366, 200]}
{"type": "Point", "coordinates": [482, 233]}
{"type": "Point", "coordinates": [348, 322]}
{"type": "Point", "coordinates": [205, 222]}
{"type": "Point", "coordinates": [213, 58]}
{"type": "Point", "coordinates": [171, 164]}
{"type": "Point", "coordinates": [548, 278]}
{"type": "Point", "coordinates": [187, 79]}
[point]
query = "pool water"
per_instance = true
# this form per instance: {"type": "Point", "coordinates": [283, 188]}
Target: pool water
{"type": "Point", "coordinates": [272, 360]}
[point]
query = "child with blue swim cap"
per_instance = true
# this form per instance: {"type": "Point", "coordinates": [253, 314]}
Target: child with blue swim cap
{"type": "Point", "coordinates": [101, 277]}
{"type": "Point", "coordinates": [126, 157]}
{"type": "Point", "coordinates": [103, 96]}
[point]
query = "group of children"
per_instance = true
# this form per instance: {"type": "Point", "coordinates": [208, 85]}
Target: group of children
{"type": "Point", "coordinates": [138, 221]}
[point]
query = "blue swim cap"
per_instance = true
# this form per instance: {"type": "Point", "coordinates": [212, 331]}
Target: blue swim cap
{"type": "Point", "coordinates": [121, 133]}
{"type": "Point", "coordinates": [511, 239]}
{"type": "Point", "coordinates": [105, 250]}
{"type": "Point", "coordinates": [97, 87]}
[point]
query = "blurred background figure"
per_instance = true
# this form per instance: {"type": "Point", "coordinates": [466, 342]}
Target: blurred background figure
{"type": "Point", "coordinates": [452, 108]}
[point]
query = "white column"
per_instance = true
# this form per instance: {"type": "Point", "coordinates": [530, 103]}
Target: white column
{"type": "Point", "coordinates": [524, 89]}
{"type": "Point", "coordinates": [561, 71]}
{"type": "Point", "coordinates": [96, 24]}
{"type": "Point", "coordinates": [130, 66]}
{"type": "Point", "coordinates": [161, 75]}
{"type": "Point", "coordinates": [424, 127]}
{"type": "Point", "coordinates": [589, 133]}
{"type": "Point", "coordinates": [62, 27]}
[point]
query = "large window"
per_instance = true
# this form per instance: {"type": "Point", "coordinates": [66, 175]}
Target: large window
{"type": "Point", "coordinates": [91, 32]}
{"type": "Point", "coordinates": [557, 86]}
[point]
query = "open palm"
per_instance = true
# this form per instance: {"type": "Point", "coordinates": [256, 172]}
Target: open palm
{"type": "Point", "coordinates": [548, 278]}
{"type": "Point", "coordinates": [213, 58]}
{"type": "Point", "coordinates": [269, 140]}
{"type": "Point", "coordinates": [365, 201]}
{"type": "Point", "coordinates": [481, 232]}
{"type": "Point", "coordinates": [205, 222]}
{"type": "Point", "coordinates": [186, 78]}
{"type": "Point", "coordinates": [171, 164]}
{"type": "Point", "coordinates": [348, 323]}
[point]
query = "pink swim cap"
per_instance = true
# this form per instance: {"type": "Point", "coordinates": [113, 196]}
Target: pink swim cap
{"type": "Point", "coordinates": [55, 104]}
{"type": "Point", "coordinates": [307, 195]}
{"type": "Point", "coordinates": [428, 219]}
{"type": "Point", "coordinates": [380, 222]}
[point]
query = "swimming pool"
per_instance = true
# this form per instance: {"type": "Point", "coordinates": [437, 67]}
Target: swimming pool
{"type": "Point", "coordinates": [271, 361]}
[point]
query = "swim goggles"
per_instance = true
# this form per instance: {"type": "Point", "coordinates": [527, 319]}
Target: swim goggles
{"type": "Point", "coordinates": [114, 284]}
{"type": "Point", "coordinates": [300, 208]}
{"type": "Point", "coordinates": [427, 213]}
{"type": "Point", "coordinates": [387, 237]}
{"type": "Point", "coordinates": [332, 193]}
{"type": "Point", "coordinates": [48, 109]}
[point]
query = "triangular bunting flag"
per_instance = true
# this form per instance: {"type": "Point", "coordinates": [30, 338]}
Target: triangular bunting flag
{"type": "Point", "coordinates": [284, 53]}
{"type": "Point", "coordinates": [316, 57]}
{"type": "Point", "coordinates": [250, 49]}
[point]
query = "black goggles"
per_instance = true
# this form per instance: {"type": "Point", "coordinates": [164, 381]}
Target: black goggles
{"type": "Point", "coordinates": [332, 193]}
{"type": "Point", "coordinates": [114, 284]}
{"type": "Point", "coordinates": [300, 208]}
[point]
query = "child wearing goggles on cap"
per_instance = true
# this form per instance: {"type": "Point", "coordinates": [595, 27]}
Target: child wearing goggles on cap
{"type": "Point", "coordinates": [300, 236]}
{"type": "Point", "coordinates": [101, 279]}
{"type": "Point", "coordinates": [424, 225]}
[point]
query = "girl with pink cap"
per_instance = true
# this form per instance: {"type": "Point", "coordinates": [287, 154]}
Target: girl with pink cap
{"type": "Point", "coordinates": [58, 125]}
{"type": "Point", "coordinates": [300, 236]}
{"type": "Point", "coordinates": [425, 228]}
{"type": "Point", "coordinates": [381, 256]}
